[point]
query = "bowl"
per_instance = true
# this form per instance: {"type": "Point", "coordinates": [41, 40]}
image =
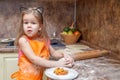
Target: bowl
{"type": "Point", "coordinates": [70, 38]}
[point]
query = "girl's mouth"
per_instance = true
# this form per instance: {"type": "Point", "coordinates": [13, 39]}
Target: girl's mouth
{"type": "Point", "coordinates": [29, 31]}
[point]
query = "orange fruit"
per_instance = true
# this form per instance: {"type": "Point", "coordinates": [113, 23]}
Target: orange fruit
{"type": "Point", "coordinates": [76, 32]}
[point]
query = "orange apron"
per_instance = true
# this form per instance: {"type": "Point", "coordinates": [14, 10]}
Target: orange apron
{"type": "Point", "coordinates": [27, 70]}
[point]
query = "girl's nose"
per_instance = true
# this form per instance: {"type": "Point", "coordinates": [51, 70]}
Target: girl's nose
{"type": "Point", "coordinates": [29, 25]}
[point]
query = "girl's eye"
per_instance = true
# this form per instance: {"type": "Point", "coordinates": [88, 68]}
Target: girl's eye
{"type": "Point", "coordinates": [33, 23]}
{"type": "Point", "coordinates": [25, 22]}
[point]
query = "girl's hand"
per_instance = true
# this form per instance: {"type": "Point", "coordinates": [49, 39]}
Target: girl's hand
{"type": "Point", "coordinates": [63, 63]}
{"type": "Point", "coordinates": [69, 58]}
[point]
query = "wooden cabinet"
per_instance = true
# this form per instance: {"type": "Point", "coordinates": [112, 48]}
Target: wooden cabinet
{"type": "Point", "coordinates": [8, 62]}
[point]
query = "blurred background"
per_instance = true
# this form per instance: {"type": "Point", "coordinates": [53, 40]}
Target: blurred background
{"type": "Point", "coordinates": [98, 20]}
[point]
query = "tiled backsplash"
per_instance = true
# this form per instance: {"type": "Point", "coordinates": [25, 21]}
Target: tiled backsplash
{"type": "Point", "coordinates": [57, 15]}
{"type": "Point", "coordinates": [99, 22]}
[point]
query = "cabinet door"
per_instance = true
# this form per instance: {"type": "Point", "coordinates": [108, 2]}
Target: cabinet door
{"type": "Point", "coordinates": [1, 67]}
{"type": "Point", "coordinates": [10, 66]}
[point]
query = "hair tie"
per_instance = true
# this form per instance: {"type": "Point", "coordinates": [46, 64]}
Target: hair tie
{"type": "Point", "coordinates": [23, 9]}
{"type": "Point", "coordinates": [40, 9]}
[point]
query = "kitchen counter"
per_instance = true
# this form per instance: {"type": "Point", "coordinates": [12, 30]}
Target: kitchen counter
{"type": "Point", "coordinates": [8, 49]}
{"type": "Point", "coordinates": [99, 68]}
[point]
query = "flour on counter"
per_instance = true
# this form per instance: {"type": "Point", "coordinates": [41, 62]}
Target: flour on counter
{"type": "Point", "coordinates": [71, 49]}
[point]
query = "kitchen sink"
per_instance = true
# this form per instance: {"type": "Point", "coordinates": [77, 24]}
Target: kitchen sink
{"type": "Point", "coordinates": [57, 43]}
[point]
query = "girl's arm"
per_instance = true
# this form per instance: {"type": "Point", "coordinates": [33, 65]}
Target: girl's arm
{"type": "Point", "coordinates": [58, 55]}
{"type": "Point", "coordinates": [55, 54]}
{"type": "Point", "coordinates": [28, 52]}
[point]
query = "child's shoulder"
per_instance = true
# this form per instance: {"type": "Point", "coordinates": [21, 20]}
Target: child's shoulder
{"type": "Point", "coordinates": [22, 39]}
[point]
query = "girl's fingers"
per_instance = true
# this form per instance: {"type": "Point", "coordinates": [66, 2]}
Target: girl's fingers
{"type": "Point", "coordinates": [68, 65]}
{"type": "Point", "coordinates": [69, 60]}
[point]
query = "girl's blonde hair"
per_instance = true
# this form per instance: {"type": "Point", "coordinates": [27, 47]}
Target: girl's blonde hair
{"type": "Point", "coordinates": [38, 13]}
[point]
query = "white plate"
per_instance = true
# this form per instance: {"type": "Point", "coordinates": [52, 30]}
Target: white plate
{"type": "Point", "coordinates": [72, 74]}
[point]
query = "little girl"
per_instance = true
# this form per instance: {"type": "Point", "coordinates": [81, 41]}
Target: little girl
{"type": "Point", "coordinates": [35, 49]}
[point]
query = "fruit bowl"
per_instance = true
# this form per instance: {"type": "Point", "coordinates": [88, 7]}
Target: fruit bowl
{"type": "Point", "coordinates": [70, 35]}
{"type": "Point", "coordinates": [70, 38]}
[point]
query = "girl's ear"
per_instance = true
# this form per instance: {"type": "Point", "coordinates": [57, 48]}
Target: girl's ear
{"type": "Point", "coordinates": [40, 29]}
{"type": "Point", "coordinates": [40, 25]}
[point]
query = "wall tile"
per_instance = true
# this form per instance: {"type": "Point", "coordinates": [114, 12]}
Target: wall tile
{"type": "Point", "coordinates": [57, 15]}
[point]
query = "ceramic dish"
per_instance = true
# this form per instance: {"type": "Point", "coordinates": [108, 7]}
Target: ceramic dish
{"type": "Point", "coordinates": [72, 74]}
{"type": "Point", "coordinates": [7, 40]}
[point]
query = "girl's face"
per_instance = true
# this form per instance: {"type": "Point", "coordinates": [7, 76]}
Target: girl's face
{"type": "Point", "coordinates": [31, 25]}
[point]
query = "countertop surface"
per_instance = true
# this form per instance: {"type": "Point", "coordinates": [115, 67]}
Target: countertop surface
{"type": "Point", "coordinates": [4, 48]}
{"type": "Point", "coordinates": [8, 49]}
{"type": "Point", "coordinates": [100, 68]}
